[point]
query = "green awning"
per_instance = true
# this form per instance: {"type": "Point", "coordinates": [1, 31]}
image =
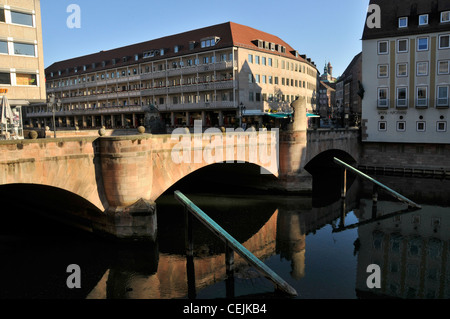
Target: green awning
{"type": "Point", "coordinates": [280, 115]}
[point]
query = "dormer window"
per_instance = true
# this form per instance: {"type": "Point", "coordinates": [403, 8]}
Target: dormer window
{"type": "Point", "coordinates": [445, 16]}
{"type": "Point", "coordinates": [84, 67]}
{"type": "Point", "coordinates": [103, 64]}
{"type": "Point", "coordinates": [124, 59]}
{"type": "Point", "coordinates": [209, 42]}
{"type": "Point", "coordinates": [176, 49]}
{"type": "Point", "coordinates": [403, 22]}
{"type": "Point", "coordinates": [136, 57]}
{"type": "Point", "coordinates": [423, 19]}
{"type": "Point", "coordinates": [162, 51]}
{"type": "Point", "coordinates": [191, 45]}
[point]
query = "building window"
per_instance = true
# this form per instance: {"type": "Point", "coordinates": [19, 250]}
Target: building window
{"type": "Point", "coordinates": [382, 126]}
{"type": "Point", "coordinates": [257, 59]}
{"type": "Point", "coordinates": [444, 41]}
{"type": "Point", "coordinates": [4, 47]}
{"type": "Point", "coordinates": [383, 97]}
{"type": "Point", "coordinates": [445, 16]}
{"type": "Point", "coordinates": [401, 126]}
{"type": "Point", "coordinates": [383, 47]}
{"type": "Point", "coordinates": [250, 58]}
{"type": "Point", "coordinates": [270, 62]}
{"type": "Point", "coordinates": [2, 15]}
{"type": "Point", "coordinates": [402, 69]}
{"type": "Point", "coordinates": [250, 97]}
{"type": "Point", "coordinates": [26, 79]}
{"type": "Point", "coordinates": [24, 49]}
{"type": "Point", "coordinates": [423, 19]}
{"type": "Point", "coordinates": [441, 126]}
{"type": "Point", "coordinates": [422, 96]}
{"type": "Point", "coordinates": [263, 60]}
{"type": "Point", "coordinates": [422, 44]}
{"type": "Point", "coordinates": [383, 71]}
{"type": "Point", "coordinates": [250, 78]}
{"type": "Point", "coordinates": [422, 68]}
{"type": "Point", "coordinates": [421, 127]}
{"type": "Point", "coordinates": [402, 45]}
{"type": "Point", "coordinates": [442, 94]}
{"type": "Point", "coordinates": [22, 18]}
{"type": "Point", "coordinates": [5, 78]}
{"type": "Point", "coordinates": [401, 97]}
{"type": "Point", "coordinates": [257, 79]}
{"type": "Point", "coordinates": [403, 22]}
{"type": "Point", "coordinates": [443, 67]}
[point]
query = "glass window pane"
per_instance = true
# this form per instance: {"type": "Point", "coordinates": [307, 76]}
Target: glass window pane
{"type": "Point", "coordinates": [442, 92]}
{"type": "Point", "coordinates": [24, 49]}
{"type": "Point", "coordinates": [4, 47]}
{"type": "Point", "coordinates": [444, 41]}
{"type": "Point", "coordinates": [2, 15]}
{"type": "Point", "coordinates": [22, 18]}
{"type": "Point", "coordinates": [5, 78]}
{"type": "Point", "coordinates": [423, 43]}
{"type": "Point", "coordinates": [26, 79]}
{"type": "Point", "coordinates": [443, 67]}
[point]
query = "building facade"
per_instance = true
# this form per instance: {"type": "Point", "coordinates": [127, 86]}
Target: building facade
{"type": "Point", "coordinates": [406, 73]}
{"type": "Point", "coordinates": [214, 74]}
{"type": "Point", "coordinates": [22, 75]}
{"type": "Point", "coordinates": [327, 97]}
{"type": "Point", "coordinates": [349, 93]}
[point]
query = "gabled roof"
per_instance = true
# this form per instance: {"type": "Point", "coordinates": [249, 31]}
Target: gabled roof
{"type": "Point", "coordinates": [391, 10]}
{"type": "Point", "coordinates": [347, 71]}
{"type": "Point", "coordinates": [229, 33]}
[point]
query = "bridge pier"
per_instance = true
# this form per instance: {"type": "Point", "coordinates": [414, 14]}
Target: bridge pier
{"type": "Point", "coordinates": [137, 222]}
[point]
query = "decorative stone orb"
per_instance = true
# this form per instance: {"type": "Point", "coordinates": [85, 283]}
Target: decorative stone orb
{"type": "Point", "coordinates": [33, 135]}
{"type": "Point", "coordinates": [102, 131]}
{"type": "Point", "coordinates": [141, 129]}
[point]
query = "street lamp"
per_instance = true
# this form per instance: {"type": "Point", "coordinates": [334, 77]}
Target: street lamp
{"type": "Point", "coordinates": [51, 104]}
{"type": "Point", "coordinates": [241, 113]}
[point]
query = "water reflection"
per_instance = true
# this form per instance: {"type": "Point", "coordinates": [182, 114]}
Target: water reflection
{"type": "Point", "coordinates": [295, 236]}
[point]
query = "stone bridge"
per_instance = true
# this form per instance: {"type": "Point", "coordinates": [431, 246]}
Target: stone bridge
{"type": "Point", "coordinates": [122, 176]}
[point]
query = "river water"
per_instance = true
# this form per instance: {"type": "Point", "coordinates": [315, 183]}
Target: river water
{"type": "Point", "coordinates": [305, 239]}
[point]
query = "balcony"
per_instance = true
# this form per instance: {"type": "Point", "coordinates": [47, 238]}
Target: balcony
{"type": "Point", "coordinates": [383, 103]}
{"type": "Point", "coordinates": [421, 103]}
{"type": "Point", "coordinates": [442, 102]}
{"type": "Point", "coordinates": [402, 103]}
{"type": "Point", "coordinates": [197, 106]}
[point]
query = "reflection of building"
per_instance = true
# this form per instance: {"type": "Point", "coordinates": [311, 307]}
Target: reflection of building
{"type": "Point", "coordinates": [349, 91]}
{"type": "Point", "coordinates": [21, 53]}
{"type": "Point", "coordinates": [201, 74]}
{"type": "Point", "coordinates": [411, 250]}
{"type": "Point", "coordinates": [406, 67]}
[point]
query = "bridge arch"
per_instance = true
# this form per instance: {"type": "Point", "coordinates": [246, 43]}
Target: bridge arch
{"type": "Point", "coordinates": [50, 201]}
{"type": "Point", "coordinates": [324, 160]}
{"type": "Point", "coordinates": [161, 184]}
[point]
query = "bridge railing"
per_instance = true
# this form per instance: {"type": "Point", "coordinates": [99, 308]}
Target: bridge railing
{"type": "Point", "coordinates": [374, 181]}
{"type": "Point", "coordinates": [232, 245]}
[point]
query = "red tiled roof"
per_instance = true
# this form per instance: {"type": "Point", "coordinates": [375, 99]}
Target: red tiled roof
{"type": "Point", "coordinates": [230, 34]}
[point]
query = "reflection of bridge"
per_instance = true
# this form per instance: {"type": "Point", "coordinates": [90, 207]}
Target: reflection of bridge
{"type": "Point", "coordinates": [122, 176]}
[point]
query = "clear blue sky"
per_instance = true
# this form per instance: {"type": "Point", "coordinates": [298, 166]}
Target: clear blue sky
{"type": "Point", "coordinates": [322, 29]}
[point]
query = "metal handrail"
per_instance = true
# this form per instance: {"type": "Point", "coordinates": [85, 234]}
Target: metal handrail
{"type": "Point", "coordinates": [391, 191]}
{"type": "Point", "coordinates": [234, 244]}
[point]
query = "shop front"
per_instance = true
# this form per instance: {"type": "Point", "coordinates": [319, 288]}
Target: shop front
{"type": "Point", "coordinates": [11, 126]}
